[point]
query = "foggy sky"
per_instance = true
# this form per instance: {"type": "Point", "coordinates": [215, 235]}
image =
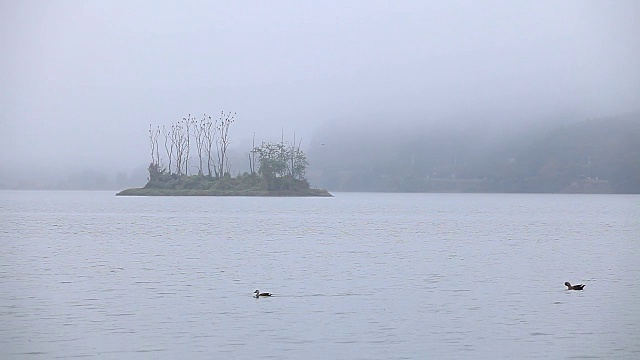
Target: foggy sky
{"type": "Point", "coordinates": [82, 80]}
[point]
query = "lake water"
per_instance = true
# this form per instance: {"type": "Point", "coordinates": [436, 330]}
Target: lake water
{"type": "Point", "coordinates": [358, 276]}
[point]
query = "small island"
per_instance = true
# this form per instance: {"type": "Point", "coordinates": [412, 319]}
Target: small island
{"type": "Point", "coordinates": [281, 167]}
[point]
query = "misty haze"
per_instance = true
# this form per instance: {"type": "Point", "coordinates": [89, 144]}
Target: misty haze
{"type": "Point", "coordinates": [83, 80]}
{"type": "Point", "coordinates": [408, 179]}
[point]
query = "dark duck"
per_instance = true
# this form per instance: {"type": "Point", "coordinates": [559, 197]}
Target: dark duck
{"type": "Point", "coordinates": [573, 287]}
{"type": "Point", "coordinates": [259, 294]}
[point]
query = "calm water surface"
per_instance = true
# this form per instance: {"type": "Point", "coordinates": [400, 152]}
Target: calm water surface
{"type": "Point", "coordinates": [358, 276]}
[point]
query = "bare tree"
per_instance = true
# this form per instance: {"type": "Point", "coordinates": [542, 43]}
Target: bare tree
{"type": "Point", "coordinates": [210, 133]}
{"type": "Point", "coordinates": [199, 128]}
{"type": "Point", "coordinates": [168, 144]}
{"type": "Point", "coordinates": [153, 142]}
{"type": "Point", "coordinates": [177, 137]}
{"type": "Point", "coordinates": [252, 155]}
{"type": "Point", "coordinates": [223, 142]}
{"type": "Point", "coordinates": [157, 146]}
{"type": "Point", "coordinates": [187, 141]}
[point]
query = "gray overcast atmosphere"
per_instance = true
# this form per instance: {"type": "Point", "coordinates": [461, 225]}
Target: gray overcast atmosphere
{"type": "Point", "coordinates": [82, 80]}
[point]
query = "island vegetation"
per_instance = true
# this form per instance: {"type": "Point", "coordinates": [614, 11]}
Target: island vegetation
{"type": "Point", "coordinates": [275, 169]}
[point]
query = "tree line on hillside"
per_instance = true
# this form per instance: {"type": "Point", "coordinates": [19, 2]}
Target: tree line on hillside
{"type": "Point", "coordinates": [597, 155]}
{"type": "Point", "coordinates": [204, 144]}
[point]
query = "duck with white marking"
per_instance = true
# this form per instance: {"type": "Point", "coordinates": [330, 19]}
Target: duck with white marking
{"type": "Point", "coordinates": [573, 287]}
{"type": "Point", "coordinates": [259, 294]}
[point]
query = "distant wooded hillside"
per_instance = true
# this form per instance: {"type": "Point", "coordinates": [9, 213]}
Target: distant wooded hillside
{"type": "Point", "coordinates": [590, 156]}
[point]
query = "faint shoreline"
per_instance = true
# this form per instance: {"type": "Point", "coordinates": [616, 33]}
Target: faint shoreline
{"type": "Point", "coordinates": [194, 192]}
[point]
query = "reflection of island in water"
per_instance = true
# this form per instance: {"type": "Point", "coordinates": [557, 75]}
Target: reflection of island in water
{"type": "Point", "coordinates": [161, 183]}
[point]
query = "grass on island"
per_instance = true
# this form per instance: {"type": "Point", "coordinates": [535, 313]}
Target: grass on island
{"type": "Point", "coordinates": [164, 184]}
{"type": "Point", "coordinates": [196, 192]}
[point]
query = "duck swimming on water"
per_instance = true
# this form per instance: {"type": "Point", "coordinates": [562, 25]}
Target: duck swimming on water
{"type": "Point", "coordinates": [573, 287]}
{"type": "Point", "coordinates": [258, 294]}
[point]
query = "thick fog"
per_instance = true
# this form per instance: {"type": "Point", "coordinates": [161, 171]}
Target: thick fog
{"type": "Point", "coordinates": [82, 80]}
